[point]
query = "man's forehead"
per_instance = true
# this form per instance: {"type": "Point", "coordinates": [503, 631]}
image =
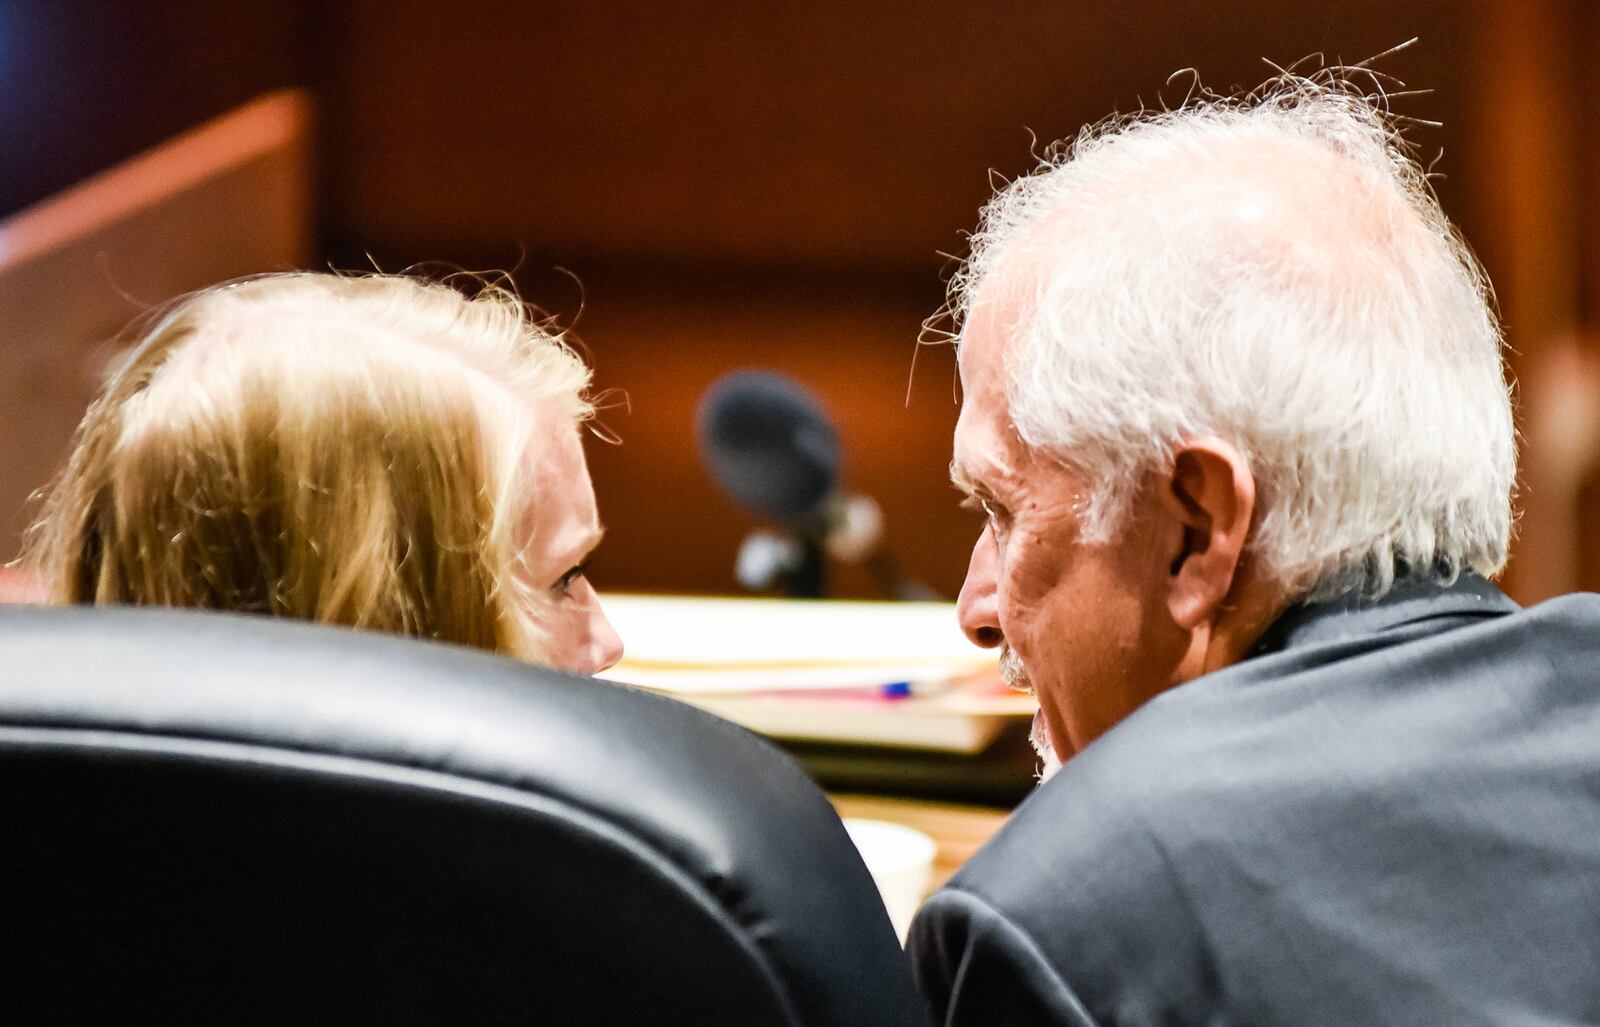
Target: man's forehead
{"type": "Point", "coordinates": [980, 350]}
{"type": "Point", "coordinates": [1000, 303]}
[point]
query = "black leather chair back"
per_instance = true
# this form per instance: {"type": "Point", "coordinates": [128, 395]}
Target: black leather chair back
{"type": "Point", "coordinates": [225, 818]}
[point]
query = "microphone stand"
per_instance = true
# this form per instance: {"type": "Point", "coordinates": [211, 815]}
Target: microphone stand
{"type": "Point", "coordinates": [809, 579]}
{"type": "Point", "coordinates": [796, 562]}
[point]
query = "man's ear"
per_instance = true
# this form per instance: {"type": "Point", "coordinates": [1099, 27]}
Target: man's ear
{"type": "Point", "coordinates": [1212, 496]}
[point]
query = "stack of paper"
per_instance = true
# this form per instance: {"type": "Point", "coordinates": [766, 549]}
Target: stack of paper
{"type": "Point", "coordinates": [870, 673]}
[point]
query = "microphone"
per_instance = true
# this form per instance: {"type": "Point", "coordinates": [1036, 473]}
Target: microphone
{"type": "Point", "coordinates": [769, 444]}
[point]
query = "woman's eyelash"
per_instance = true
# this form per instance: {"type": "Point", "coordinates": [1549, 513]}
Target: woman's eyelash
{"type": "Point", "coordinates": [566, 581]}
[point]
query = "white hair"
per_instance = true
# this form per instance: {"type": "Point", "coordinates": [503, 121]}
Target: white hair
{"type": "Point", "coordinates": [1273, 270]}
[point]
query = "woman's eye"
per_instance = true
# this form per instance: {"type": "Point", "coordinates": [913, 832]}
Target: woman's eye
{"type": "Point", "coordinates": [567, 580]}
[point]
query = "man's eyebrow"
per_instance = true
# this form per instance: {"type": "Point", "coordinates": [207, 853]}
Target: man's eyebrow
{"type": "Point", "coordinates": [964, 480]}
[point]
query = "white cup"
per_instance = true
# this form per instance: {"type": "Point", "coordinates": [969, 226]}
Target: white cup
{"type": "Point", "coordinates": [900, 860]}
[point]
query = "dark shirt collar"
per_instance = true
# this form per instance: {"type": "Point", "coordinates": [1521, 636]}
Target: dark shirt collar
{"type": "Point", "coordinates": [1413, 597]}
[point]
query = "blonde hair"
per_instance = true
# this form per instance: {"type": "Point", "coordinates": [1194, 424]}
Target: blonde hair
{"type": "Point", "coordinates": [344, 449]}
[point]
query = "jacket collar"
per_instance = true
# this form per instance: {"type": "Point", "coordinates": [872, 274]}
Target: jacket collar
{"type": "Point", "coordinates": [1412, 598]}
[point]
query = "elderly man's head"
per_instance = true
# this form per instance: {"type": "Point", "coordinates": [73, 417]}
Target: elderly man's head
{"type": "Point", "coordinates": [1216, 360]}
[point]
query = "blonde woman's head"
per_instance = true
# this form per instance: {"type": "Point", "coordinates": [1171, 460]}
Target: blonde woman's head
{"type": "Point", "coordinates": [376, 451]}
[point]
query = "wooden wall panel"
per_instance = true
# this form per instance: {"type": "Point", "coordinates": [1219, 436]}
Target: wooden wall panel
{"type": "Point", "coordinates": [1529, 164]}
{"type": "Point", "coordinates": [226, 199]}
{"type": "Point", "coordinates": [839, 135]}
{"type": "Point", "coordinates": [87, 83]}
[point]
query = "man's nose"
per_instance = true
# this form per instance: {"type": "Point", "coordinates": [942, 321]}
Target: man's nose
{"type": "Point", "coordinates": [978, 607]}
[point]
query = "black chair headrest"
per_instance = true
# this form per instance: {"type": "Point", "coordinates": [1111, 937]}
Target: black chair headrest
{"type": "Point", "coordinates": [271, 820]}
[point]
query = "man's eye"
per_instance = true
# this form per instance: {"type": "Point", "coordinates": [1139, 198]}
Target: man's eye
{"type": "Point", "coordinates": [993, 511]}
{"type": "Point", "coordinates": [983, 505]}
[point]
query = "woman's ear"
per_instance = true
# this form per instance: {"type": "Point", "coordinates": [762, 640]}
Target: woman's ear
{"type": "Point", "coordinates": [1212, 497]}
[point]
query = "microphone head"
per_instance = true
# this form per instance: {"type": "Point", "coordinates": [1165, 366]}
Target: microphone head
{"type": "Point", "coordinates": [770, 446]}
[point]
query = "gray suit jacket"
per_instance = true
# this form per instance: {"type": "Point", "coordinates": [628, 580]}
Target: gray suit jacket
{"type": "Point", "coordinates": [1390, 814]}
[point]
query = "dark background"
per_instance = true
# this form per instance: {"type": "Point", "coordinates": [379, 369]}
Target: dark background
{"type": "Point", "coordinates": [773, 184]}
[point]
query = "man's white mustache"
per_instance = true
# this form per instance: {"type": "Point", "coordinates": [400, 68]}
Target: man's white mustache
{"type": "Point", "coordinates": [1015, 675]}
{"type": "Point", "coordinates": [1012, 672]}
